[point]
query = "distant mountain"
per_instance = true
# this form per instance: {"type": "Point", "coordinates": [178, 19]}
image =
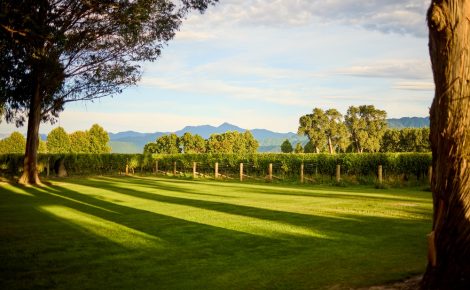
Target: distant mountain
{"type": "Point", "coordinates": [125, 147]}
{"type": "Point", "coordinates": [408, 122]}
{"type": "Point", "coordinates": [205, 131]}
{"type": "Point", "coordinates": [134, 142]}
{"type": "Point", "coordinates": [130, 141]}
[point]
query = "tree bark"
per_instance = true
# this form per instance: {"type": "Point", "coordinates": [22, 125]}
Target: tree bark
{"type": "Point", "coordinates": [449, 242]}
{"type": "Point", "coordinates": [30, 172]}
{"type": "Point", "coordinates": [330, 145]}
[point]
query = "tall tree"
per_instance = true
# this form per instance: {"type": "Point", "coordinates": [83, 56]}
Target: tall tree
{"type": "Point", "coordinates": [79, 142]}
{"type": "Point", "coordinates": [58, 141]}
{"type": "Point", "coordinates": [286, 147]}
{"type": "Point", "coordinates": [99, 140]}
{"type": "Point", "coordinates": [449, 242]}
{"type": "Point", "coordinates": [167, 144]}
{"type": "Point", "coordinates": [57, 51]}
{"type": "Point", "coordinates": [15, 143]}
{"type": "Point", "coordinates": [299, 148]}
{"type": "Point", "coordinates": [335, 131]}
{"type": "Point", "coordinates": [251, 144]}
{"type": "Point", "coordinates": [192, 143]}
{"type": "Point", "coordinates": [324, 128]}
{"type": "Point", "coordinates": [366, 126]}
{"type": "Point", "coordinates": [308, 148]}
{"type": "Point", "coordinates": [312, 125]}
{"type": "Point", "coordinates": [405, 140]}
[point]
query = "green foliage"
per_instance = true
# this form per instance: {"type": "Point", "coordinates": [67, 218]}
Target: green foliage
{"type": "Point", "coordinates": [359, 167]}
{"type": "Point", "coordinates": [15, 143]}
{"type": "Point", "coordinates": [232, 142]}
{"type": "Point", "coordinates": [299, 148]}
{"type": "Point", "coordinates": [192, 144]}
{"type": "Point", "coordinates": [80, 142]}
{"type": "Point", "coordinates": [325, 129]}
{"type": "Point", "coordinates": [56, 52]}
{"type": "Point", "coordinates": [58, 141]}
{"type": "Point", "coordinates": [366, 124]}
{"type": "Point", "coordinates": [98, 140]}
{"type": "Point", "coordinates": [227, 143]}
{"type": "Point", "coordinates": [406, 140]}
{"type": "Point", "coordinates": [42, 148]}
{"type": "Point", "coordinates": [72, 56]}
{"type": "Point", "coordinates": [312, 125]}
{"type": "Point", "coordinates": [251, 144]}
{"type": "Point", "coordinates": [286, 147]}
{"type": "Point", "coordinates": [166, 144]}
{"type": "Point", "coordinates": [309, 148]}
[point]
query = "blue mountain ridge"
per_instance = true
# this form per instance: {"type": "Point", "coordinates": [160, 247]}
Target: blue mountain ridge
{"type": "Point", "coordinates": [269, 141]}
{"type": "Point", "coordinates": [134, 142]}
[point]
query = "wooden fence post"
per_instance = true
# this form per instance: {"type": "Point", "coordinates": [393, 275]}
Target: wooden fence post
{"type": "Point", "coordinates": [174, 168]}
{"type": "Point", "coordinates": [338, 173]}
{"type": "Point", "coordinates": [430, 174]}
{"type": "Point", "coordinates": [194, 169]}
{"type": "Point", "coordinates": [270, 172]}
{"type": "Point", "coordinates": [241, 172]}
{"type": "Point", "coordinates": [216, 170]}
{"type": "Point", "coordinates": [302, 173]}
{"type": "Point", "coordinates": [379, 174]}
{"type": "Point", "coordinates": [156, 167]}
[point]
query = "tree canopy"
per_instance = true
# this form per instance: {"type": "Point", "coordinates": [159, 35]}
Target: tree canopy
{"type": "Point", "coordinates": [15, 143]}
{"type": "Point", "coordinates": [228, 142]}
{"type": "Point", "coordinates": [286, 147]}
{"type": "Point", "coordinates": [366, 124]}
{"type": "Point", "coordinates": [325, 129]}
{"type": "Point", "coordinates": [58, 141]}
{"type": "Point", "coordinates": [55, 52]}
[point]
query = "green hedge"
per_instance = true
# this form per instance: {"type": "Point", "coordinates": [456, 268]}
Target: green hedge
{"type": "Point", "coordinates": [284, 165]}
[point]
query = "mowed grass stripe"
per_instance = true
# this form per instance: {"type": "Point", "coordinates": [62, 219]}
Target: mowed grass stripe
{"type": "Point", "coordinates": [158, 233]}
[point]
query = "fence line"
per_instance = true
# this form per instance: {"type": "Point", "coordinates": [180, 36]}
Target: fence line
{"type": "Point", "coordinates": [269, 167]}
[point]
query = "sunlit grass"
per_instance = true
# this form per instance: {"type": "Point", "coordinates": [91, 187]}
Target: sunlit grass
{"type": "Point", "coordinates": [157, 233]}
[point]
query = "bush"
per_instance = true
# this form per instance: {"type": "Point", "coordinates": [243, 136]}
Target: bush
{"type": "Point", "coordinates": [355, 168]}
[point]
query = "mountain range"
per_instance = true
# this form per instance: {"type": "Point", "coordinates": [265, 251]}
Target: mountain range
{"type": "Point", "coordinates": [134, 142]}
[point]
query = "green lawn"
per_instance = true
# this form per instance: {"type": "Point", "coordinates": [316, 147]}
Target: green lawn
{"type": "Point", "coordinates": [157, 233]}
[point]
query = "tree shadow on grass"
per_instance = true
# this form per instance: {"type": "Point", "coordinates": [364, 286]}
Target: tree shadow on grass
{"type": "Point", "coordinates": [334, 226]}
{"type": "Point", "coordinates": [195, 255]}
{"type": "Point", "coordinates": [279, 189]}
{"type": "Point", "coordinates": [34, 265]}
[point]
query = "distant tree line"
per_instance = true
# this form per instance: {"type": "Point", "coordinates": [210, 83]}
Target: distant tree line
{"type": "Point", "coordinates": [95, 140]}
{"type": "Point", "coordinates": [230, 142]}
{"type": "Point", "coordinates": [362, 129]}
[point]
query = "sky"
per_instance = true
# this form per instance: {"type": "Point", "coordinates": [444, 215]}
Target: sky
{"type": "Point", "coordinates": [265, 63]}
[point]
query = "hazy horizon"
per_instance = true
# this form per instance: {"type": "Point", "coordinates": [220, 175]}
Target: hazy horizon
{"type": "Point", "coordinates": [259, 64]}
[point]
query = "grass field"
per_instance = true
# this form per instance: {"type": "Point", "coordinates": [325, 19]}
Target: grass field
{"type": "Point", "coordinates": [157, 233]}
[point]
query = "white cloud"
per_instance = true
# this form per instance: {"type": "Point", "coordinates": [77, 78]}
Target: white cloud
{"type": "Point", "coordinates": [397, 16]}
{"type": "Point", "coordinates": [395, 69]}
{"type": "Point", "coordinates": [224, 89]}
{"type": "Point", "coordinates": [414, 86]}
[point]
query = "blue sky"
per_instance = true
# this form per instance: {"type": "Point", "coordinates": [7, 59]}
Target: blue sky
{"type": "Point", "coordinates": [264, 63]}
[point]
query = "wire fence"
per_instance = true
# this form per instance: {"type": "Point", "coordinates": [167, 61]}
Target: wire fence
{"type": "Point", "coordinates": [303, 168]}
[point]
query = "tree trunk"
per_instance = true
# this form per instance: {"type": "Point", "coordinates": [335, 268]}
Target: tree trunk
{"type": "Point", "coordinates": [449, 242]}
{"type": "Point", "coordinates": [330, 145]}
{"type": "Point", "coordinates": [30, 172]}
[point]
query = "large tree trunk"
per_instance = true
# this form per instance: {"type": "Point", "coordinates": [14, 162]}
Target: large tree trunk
{"type": "Point", "coordinates": [30, 172]}
{"type": "Point", "coordinates": [449, 242]}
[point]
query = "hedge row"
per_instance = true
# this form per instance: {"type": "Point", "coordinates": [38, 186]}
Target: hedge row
{"type": "Point", "coordinates": [284, 165]}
